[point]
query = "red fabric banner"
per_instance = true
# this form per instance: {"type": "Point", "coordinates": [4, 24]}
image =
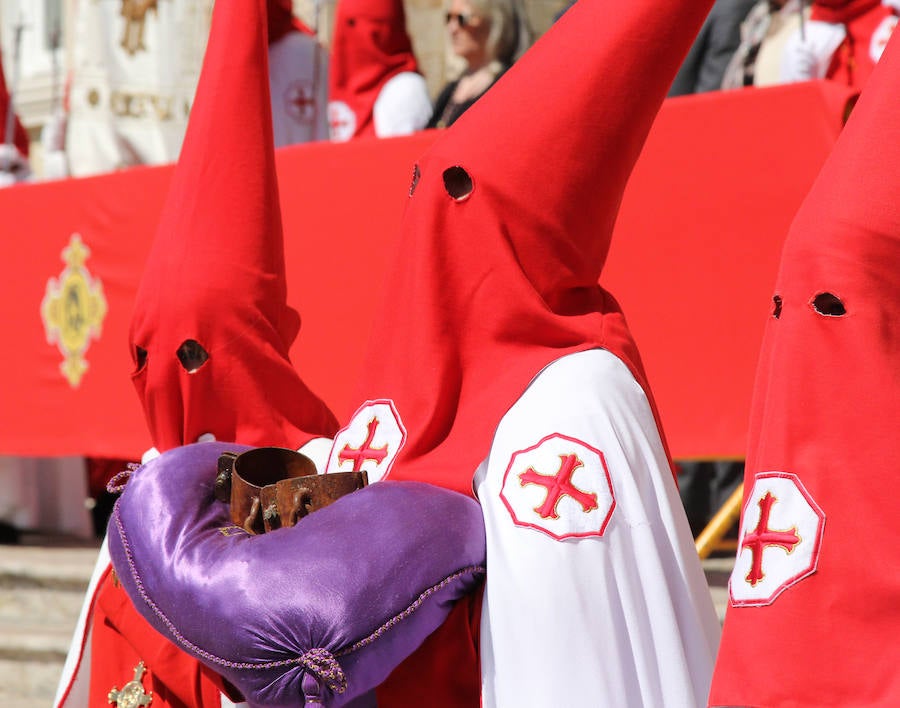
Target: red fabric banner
{"type": "Point", "coordinates": [693, 262]}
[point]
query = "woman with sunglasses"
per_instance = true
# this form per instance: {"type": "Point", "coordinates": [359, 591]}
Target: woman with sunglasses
{"type": "Point", "coordinates": [488, 35]}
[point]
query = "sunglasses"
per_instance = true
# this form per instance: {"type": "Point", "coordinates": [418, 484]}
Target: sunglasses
{"type": "Point", "coordinates": [462, 19]}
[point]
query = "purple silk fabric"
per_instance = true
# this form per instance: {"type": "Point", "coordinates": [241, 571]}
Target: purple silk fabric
{"type": "Point", "coordinates": [322, 611]}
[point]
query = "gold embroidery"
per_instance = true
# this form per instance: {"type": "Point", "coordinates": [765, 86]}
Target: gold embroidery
{"type": "Point", "coordinates": [142, 105]}
{"type": "Point", "coordinates": [135, 14]}
{"type": "Point", "coordinates": [73, 310]}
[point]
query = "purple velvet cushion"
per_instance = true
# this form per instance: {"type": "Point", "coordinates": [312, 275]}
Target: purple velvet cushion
{"type": "Point", "coordinates": [322, 611]}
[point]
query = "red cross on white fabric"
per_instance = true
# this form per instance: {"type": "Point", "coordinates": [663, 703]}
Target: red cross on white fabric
{"type": "Point", "coordinates": [558, 486]}
{"type": "Point", "coordinates": [574, 501]}
{"type": "Point", "coordinates": [371, 441]}
{"type": "Point", "coordinates": [762, 537]}
{"type": "Point", "coordinates": [782, 531]}
{"type": "Point", "coordinates": [365, 451]}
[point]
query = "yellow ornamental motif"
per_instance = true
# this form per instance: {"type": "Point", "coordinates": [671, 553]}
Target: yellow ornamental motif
{"type": "Point", "coordinates": [135, 14]}
{"type": "Point", "coordinates": [73, 310]}
{"type": "Point", "coordinates": [132, 694]}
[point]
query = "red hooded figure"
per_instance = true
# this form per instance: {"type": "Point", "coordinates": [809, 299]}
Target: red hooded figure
{"type": "Point", "coordinates": [499, 365]}
{"type": "Point", "coordinates": [210, 336]}
{"type": "Point", "coordinates": [375, 87]}
{"type": "Point", "coordinates": [812, 619]}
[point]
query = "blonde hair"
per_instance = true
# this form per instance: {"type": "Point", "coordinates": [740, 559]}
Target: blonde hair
{"type": "Point", "coordinates": [509, 35]}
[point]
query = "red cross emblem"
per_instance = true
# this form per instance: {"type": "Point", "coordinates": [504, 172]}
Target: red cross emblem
{"type": "Point", "coordinates": [762, 536]}
{"type": "Point", "coordinates": [337, 124]}
{"type": "Point", "coordinates": [341, 121]}
{"type": "Point", "coordinates": [365, 451]}
{"type": "Point", "coordinates": [575, 500]}
{"type": "Point", "coordinates": [781, 535]}
{"type": "Point", "coordinates": [300, 102]}
{"type": "Point", "coordinates": [559, 485]}
{"type": "Point", "coordinates": [370, 441]}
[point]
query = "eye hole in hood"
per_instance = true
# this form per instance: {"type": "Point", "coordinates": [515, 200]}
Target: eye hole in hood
{"type": "Point", "coordinates": [192, 355]}
{"type": "Point", "coordinates": [829, 305]}
{"type": "Point", "coordinates": [776, 306]}
{"type": "Point", "coordinates": [140, 359]}
{"type": "Point", "coordinates": [458, 183]}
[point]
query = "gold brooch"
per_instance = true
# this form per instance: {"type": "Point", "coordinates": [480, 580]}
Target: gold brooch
{"type": "Point", "coordinates": [132, 694]}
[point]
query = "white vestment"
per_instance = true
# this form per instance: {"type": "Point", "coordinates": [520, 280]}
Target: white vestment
{"type": "Point", "coordinates": [619, 619]}
{"type": "Point", "coordinates": [298, 82]}
{"type": "Point", "coordinates": [133, 79]}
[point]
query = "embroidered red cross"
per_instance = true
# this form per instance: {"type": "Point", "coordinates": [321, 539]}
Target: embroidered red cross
{"type": "Point", "coordinates": [762, 536]}
{"type": "Point", "coordinates": [364, 452]}
{"type": "Point", "coordinates": [301, 101]}
{"type": "Point", "coordinates": [559, 485]}
{"type": "Point", "coordinates": [337, 123]}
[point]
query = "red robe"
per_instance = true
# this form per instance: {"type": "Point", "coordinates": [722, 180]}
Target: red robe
{"type": "Point", "coordinates": [813, 618]}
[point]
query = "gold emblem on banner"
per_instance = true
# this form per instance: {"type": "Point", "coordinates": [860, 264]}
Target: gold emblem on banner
{"type": "Point", "coordinates": [73, 310]}
{"type": "Point", "coordinates": [132, 694]}
{"type": "Point", "coordinates": [135, 14]}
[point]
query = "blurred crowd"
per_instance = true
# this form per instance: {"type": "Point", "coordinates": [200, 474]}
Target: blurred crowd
{"type": "Point", "coordinates": [767, 42]}
{"type": "Point", "coordinates": [132, 67]}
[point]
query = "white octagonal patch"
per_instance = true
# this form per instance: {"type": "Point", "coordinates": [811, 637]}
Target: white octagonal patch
{"type": "Point", "coordinates": [780, 539]}
{"type": "Point", "coordinates": [341, 121]}
{"type": "Point", "coordinates": [559, 486]}
{"type": "Point", "coordinates": [370, 441]}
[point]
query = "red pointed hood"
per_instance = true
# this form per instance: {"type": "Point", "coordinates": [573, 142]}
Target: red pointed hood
{"type": "Point", "coordinates": [826, 410]}
{"type": "Point", "coordinates": [20, 137]}
{"type": "Point", "coordinates": [489, 288]}
{"type": "Point", "coordinates": [845, 240]}
{"type": "Point", "coordinates": [370, 46]}
{"type": "Point", "coordinates": [216, 274]}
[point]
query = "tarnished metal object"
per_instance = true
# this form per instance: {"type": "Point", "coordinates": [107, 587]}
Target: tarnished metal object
{"type": "Point", "coordinates": [223, 478]}
{"type": "Point", "coordinates": [273, 487]}
{"type": "Point", "coordinates": [300, 496]}
{"type": "Point", "coordinates": [132, 693]}
{"type": "Point", "coordinates": [254, 475]}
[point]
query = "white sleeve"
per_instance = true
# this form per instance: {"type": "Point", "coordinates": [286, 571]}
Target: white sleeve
{"type": "Point", "coordinates": [807, 53]}
{"type": "Point", "coordinates": [318, 450]}
{"type": "Point", "coordinates": [595, 594]}
{"type": "Point", "coordinates": [402, 106]}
